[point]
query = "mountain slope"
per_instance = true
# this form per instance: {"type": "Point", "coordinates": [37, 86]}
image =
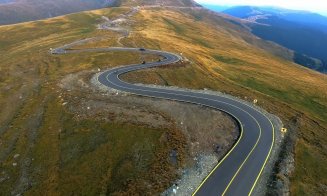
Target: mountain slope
{"type": "Point", "coordinates": [72, 155]}
{"type": "Point", "coordinates": [310, 19]}
{"type": "Point", "coordinates": [27, 10]}
{"type": "Point", "coordinates": [303, 32]}
{"type": "Point", "coordinates": [181, 3]}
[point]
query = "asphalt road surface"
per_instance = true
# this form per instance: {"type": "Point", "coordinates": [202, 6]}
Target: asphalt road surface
{"type": "Point", "coordinates": [239, 170]}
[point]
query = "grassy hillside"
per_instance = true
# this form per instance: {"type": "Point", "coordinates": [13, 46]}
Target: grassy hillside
{"type": "Point", "coordinates": [44, 148]}
{"type": "Point", "coordinates": [221, 60]}
{"type": "Point", "coordinates": [302, 32]}
{"type": "Point", "coordinates": [28, 10]}
{"type": "Point", "coordinates": [182, 3]}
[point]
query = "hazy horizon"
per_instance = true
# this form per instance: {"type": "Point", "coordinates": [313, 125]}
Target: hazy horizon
{"type": "Point", "coordinates": [318, 6]}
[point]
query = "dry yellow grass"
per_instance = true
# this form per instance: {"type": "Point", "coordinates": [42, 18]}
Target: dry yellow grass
{"type": "Point", "coordinates": [220, 58]}
{"type": "Point", "coordinates": [223, 61]}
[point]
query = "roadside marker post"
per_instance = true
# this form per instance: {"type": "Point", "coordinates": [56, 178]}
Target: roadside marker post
{"type": "Point", "coordinates": [283, 130]}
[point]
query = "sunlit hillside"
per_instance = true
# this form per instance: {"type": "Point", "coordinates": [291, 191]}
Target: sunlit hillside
{"type": "Point", "coordinates": [224, 56]}
{"type": "Point", "coordinates": [15, 11]}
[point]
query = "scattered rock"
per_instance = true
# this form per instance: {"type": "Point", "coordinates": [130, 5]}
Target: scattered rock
{"type": "Point", "coordinates": [173, 157]}
{"type": "Point", "coordinates": [206, 147]}
{"type": "Point", "coordinates": [218, 149]}
{"type": "Point", "coordinates": [192, 177]}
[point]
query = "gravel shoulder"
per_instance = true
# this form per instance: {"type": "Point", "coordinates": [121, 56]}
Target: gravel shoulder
{"type": "Point", "coordinates": [209, 133]}
{"type": "Point", "coordinates": [192, 177]}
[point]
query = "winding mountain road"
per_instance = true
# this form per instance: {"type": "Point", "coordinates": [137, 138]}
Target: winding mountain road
{"type": "Point", "coordinates": [239, 170]}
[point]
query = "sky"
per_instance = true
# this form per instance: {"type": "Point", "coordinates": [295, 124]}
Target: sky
{"type": "Point", "coordinates": [310, 5]}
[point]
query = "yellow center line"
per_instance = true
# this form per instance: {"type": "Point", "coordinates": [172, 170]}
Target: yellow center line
{"type": "Point", "coordinates": [266, 160]}
{"type": "Point", "coordinates": [255, 145]}
{"type": "Point", "coordinates": [107, 77]}
{"type": "Point", "coordinates": [220, 162]}
{"type": "Point", "coordinates": [241, 135]}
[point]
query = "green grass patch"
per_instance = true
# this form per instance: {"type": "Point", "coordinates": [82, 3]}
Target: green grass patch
{"type": "Point", "coordinates": [292, 96]}
{"type": "Point", "coordinates": [309, 171]}
{"type": "Point", "coordinates": [178, 28]}
{"type": "Point", "coordinates": [197, 16]}
{"type": "Point", "coordinates": [201, 42]}
{"type": "Point", "coordinates": [230, 60]}
{"type": "Point", "coordinates": [97, 155]}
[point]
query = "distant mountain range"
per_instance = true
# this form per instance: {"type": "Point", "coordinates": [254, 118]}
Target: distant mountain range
{"type": "Point", "coordinates": [15, 11]}
{"type": "Point", "coordinates": [301, 31]}
{"type": "Point", "coordinates": [305, 18]}
{"type": "Point", "coordinates": [182, 3]}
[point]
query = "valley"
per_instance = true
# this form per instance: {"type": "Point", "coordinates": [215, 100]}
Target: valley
{"type": "Point", "coordinates": [47, 130]}
{"type": "Point", "coordinates": [302, 32]}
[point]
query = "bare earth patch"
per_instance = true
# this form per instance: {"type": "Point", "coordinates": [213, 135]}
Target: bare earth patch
{"type": "Point", "coordinates": [209, 133]}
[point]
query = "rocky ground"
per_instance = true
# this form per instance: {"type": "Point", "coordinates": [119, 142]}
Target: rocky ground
{"type": "Point", "coordinates": [210, 133]}
{"type": "Point", "coordinates": [274, 177]}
